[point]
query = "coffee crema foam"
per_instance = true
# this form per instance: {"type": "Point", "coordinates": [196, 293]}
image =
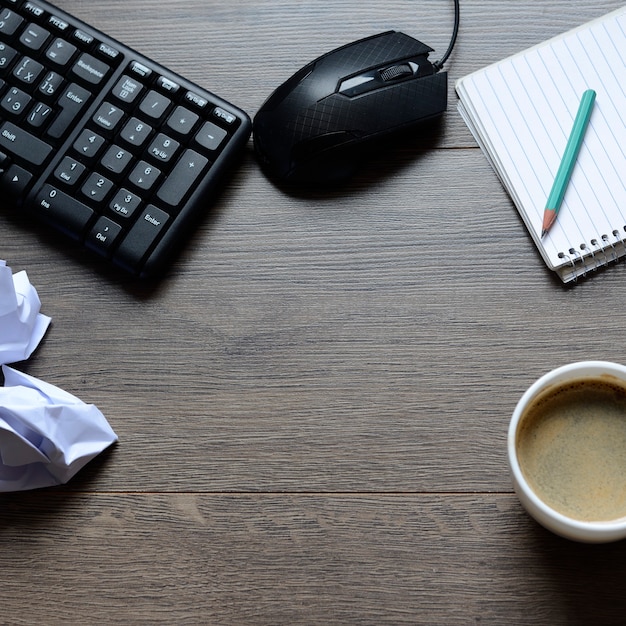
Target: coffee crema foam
{"type": "Point", "coordinates": [571, 447]}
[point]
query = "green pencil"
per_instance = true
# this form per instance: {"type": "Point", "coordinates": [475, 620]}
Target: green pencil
{"type": "Point", "coordinates": [568, 161]}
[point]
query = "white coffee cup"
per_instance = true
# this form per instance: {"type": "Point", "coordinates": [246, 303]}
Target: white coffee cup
{"type": "Point", "coordinates": [547, 516]}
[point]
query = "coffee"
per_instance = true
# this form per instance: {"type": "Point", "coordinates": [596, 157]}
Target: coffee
{"type": "Point", "coordinates": [571, 448]}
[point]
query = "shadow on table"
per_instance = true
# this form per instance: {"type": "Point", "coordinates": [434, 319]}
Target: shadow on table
{"type": "Point", "coordinates": [36, 509]}
{"type": "Point", "coordinates": [588, 579]}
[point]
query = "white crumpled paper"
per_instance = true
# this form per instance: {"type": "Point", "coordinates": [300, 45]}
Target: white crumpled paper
{"type": "Point", "coordinates": [22, 326]}
{"type": "Point", "coordinates": [46, 434]}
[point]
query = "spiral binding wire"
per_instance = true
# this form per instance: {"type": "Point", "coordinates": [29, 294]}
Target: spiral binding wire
{"type": "Point", "coordinates": [596, 255]}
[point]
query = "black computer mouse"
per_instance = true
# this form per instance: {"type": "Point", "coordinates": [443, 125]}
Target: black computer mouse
{"type": "Point", "coordinates": [318, 124]}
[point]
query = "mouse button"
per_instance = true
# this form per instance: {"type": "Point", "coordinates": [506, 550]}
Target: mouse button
{"type": "Point", "coordinates": [398, 71]}
{"type": "Point", "coordinates": [282, 91]}
{"type": "Point", "coordinates": [358, 56]}
{"type": "Point", "coordinates": [373, 79]}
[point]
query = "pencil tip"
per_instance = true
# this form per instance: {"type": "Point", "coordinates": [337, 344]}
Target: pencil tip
{"type": "Point", "coordinates": [544, 232]}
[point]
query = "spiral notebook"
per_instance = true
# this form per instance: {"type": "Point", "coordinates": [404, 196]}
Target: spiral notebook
{"type": "Point", "coordinates": [521, 111]}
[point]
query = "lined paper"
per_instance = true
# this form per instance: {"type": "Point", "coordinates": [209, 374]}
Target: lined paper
{"type": "Point", "coordinates": [521, 111]}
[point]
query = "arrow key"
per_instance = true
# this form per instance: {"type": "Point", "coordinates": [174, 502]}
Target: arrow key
{"type": "Point", "coordinates": [88, 144]}
{"type": "Point", "coordinates": [15, 181]}
{"type": "Point", "coordinates": [144, 175]}
{"type": "Point", "coordinates": [97, 187]}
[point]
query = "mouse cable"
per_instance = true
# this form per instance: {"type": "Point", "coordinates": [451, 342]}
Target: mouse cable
{"type": "Point", "coordinates": [457, 18]}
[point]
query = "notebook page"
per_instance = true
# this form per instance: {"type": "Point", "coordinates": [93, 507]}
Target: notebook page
{"type": "Point", "coordinates": [523, 110]}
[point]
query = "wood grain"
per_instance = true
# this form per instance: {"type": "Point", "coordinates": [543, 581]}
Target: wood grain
{"type": "Point", "coordinates": [312, 405]}
{"type": "Point", "coordinates": [316, 559]}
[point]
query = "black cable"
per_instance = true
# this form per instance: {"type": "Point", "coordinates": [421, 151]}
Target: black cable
{"type": "Point", "coordinates": [457, 18]}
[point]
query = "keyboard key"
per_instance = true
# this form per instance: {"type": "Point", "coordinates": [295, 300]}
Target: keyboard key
{"type": "Point", "coordinates": [61, 52]}
{"type": "Point", "coordinates": [82, 37]}
{"type": "Point", "coordinates": [196, 100]}
{"type": "Point", "coordinates": [108, 116]}
{"type": "Point", "coordinates": [125, 203]}
{"type": "Point", "coordinates": [90, 69]}
{"type": "Point", "coordinates": [51, 84]}
{"type": "Point", "coordinates": [71, 104]}
{"type": "Point", "coordinates": [116, 160]}
{"type": "Point", "coordinates": [211, 136]}
{"type": "Point", "coordinates": [187, 171]}
{"type": "Point", "coordinates": [89, 144]}
{"type": "Point", "coordinates": [140, 70]}
{"type": "Point", "coordinates": [15, 101]}
{"type": "Point", "coordinates": [34, 37]}
{"type": "Point", "coordinates": [63, 211]}
{"type": "Point", "coordinates": [163, 148]}
{"type": "Point", "coordinates": [15, 181]}
{"type": "Point", "coordinates": [56, 23]}
{"type": "Point", "coordinates": [136, 132]}
{"type": "Point", "coordinates": [224, 116]}
{"type": "Point", "coordinates": [32, 9]}
{"type": "Point", "coordinates": [69, 171]}
{"type": "Point", "coordinates": [7, 54]}
{"type": "Point", "coordinates": [39, 115]}
{"type": "Point", "coordinates": [28, 71]}
{"type": "Point", "coordinates": [127, 90]}
{"type": "Point", "coordinates": [4, 161]}
{"type": "Point", "coordinates": [22, 144]}
{"type": "Point", "coordinates": [9, 22]}
{"type": "Point", "coordinates": [96, 187]}
{"type": "Point", "coordinates": [141, 236]}
{"type": "Point", "coordinates": [103, 235]}
{"type": "Point", "coordinates": [144, 175]}
{"type": "Point", "coordinates": [165, 84]}
{"type": "Point", "coordinates": [105, 50]}
{"type": "Point", "coordinates": [182, 121]}
{"type": "Point", "coordinates": [154, 105]}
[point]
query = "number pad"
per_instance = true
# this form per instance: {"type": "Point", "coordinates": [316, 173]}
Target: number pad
{"type": "Point", "coordinates": [97, 187]}
{"type": "Point", "coordinates": [144, 176]}
{"type": "Point", "coordinates": [127, 90]}
{"type": "Point", "coordinates": [137, 164]}
{"type": "Point", "coordinates": [108, 117]}
{"type": "Point", "coordinates": [154, 105]}
{"type": "Point", "coordinates": [103, 235]}
{"type": "Point", "coordinates": [136, 132]}
{"type": "Point", "coordinates": [103, 144]}
{"type": "Point", "coordinates": [163, 148]}
{"type": "Point", "coordinates": [69, 171]}
{"type": "Point", "coordinates": [88, 144]}
{"type": "Point", "coordinates": [124, 204]}
{"type": "Point", "coordinates": [116, 160]}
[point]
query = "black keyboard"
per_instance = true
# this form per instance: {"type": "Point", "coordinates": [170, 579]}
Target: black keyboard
{"type": "Point", "coordinates": [102, 143]}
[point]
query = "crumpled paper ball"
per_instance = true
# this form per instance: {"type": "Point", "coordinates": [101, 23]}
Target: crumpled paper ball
{"type": "Point", "coordinates": [22, 326]}
{"type": "Point", "coordinates": [46, 434]}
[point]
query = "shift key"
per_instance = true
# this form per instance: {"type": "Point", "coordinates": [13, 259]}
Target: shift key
{"type": "Point", "coordinates": [22, 144]}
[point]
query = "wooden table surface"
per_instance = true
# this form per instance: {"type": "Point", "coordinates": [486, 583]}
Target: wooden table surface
{"type": "Point", "coordinates": [312, 405]}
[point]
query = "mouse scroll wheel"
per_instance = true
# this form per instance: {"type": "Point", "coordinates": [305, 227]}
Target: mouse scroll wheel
{"type": "Point", "coordinates": [401, 70]}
